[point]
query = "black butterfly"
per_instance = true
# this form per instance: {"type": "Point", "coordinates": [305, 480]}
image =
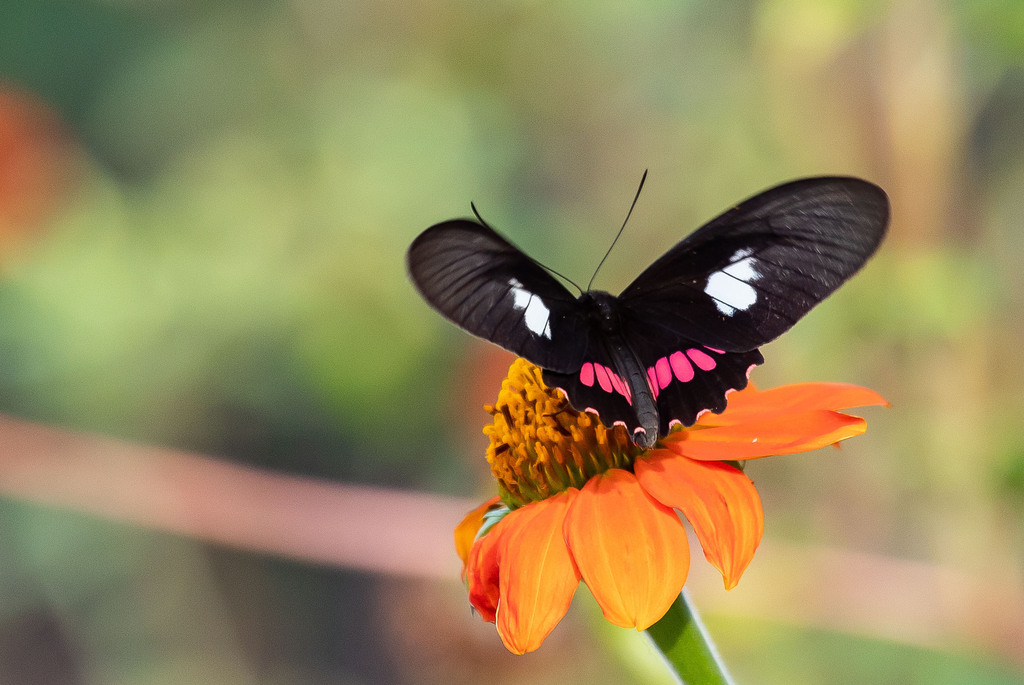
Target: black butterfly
{"type": "Point", "coordinates": [686, 331]}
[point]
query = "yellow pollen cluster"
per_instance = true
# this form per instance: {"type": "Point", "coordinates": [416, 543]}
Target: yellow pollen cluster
{"type": "Point", "coordinates": [540, 445]}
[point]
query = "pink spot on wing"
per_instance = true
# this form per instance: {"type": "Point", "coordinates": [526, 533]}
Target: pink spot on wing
{"type": "Point", "coordinates": [652, 381]}
{"type": "Point", "coordinates": [587, 375]}
{"type": "Point", "coordinates": [620, 386]}
{"type": "Point", "coordinates": [616, 383]}
{"type": "Point", "coordinates": [602, 377]}
{"type": "Point", "coordinates": [701, 359]}
{"type": "Point", "coordinates": [681, 366]}
{"type": "Point", "coordinates": [714, 349]}
{"type": "Point", "coordinates": [661, 367]}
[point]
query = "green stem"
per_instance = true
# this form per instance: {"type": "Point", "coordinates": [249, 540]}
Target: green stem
{"type": "Point", "coordinates": [687, 647]}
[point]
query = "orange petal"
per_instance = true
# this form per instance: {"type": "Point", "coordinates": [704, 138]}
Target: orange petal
{"type": "Point", "coordinates": [752, 404]}
{"type": "Point", "coordinates": [538, 577]}
{"type": "Point", "coordinates": [719, 501]}
{"type": "Point", "coordinates": [631, 551]}
{"type": "Point", "coordinates": [482, 571]}
{"type": "Point", "coordinates": [465, 532]}
{"type": "Point", "coordinates": [799, 432]}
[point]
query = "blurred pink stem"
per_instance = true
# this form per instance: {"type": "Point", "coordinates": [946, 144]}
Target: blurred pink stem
{"type": "Point", "coordinates": [372, 529]}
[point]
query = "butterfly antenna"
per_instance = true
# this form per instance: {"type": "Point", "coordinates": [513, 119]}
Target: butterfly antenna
{"type": "Point", "coordinates": [635, 198]}
{"type": "Point", "coordinates": [546, 268]}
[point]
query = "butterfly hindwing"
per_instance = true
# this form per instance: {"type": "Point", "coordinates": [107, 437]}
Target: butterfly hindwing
{"type": "Point", "coordinates": [683, 402]}
{"type": "Point", "coordinates": [747, 276]}
{"type": "Point", "coordinates": [596, 387]}
{"type": "Point", "coordinates": [688, 378]}
{"type": "Point", "coordinates": [486, 285]}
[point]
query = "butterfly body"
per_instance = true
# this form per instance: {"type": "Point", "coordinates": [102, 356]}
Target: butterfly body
{"type": "Point", "coordinates": [625, 375]}
{"type": "Point", "coordinates": [685, 332]}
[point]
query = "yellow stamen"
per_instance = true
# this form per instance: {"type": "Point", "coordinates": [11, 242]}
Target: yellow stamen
{"type": "Point", "coordinates": [540, 445]}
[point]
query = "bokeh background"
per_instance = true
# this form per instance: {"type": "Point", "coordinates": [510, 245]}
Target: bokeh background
{"type": "Point", "coordinates": [204, 209]}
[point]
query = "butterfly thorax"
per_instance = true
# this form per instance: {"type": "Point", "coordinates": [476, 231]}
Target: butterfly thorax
{"type": "Point", "coordinates": [601, 307]}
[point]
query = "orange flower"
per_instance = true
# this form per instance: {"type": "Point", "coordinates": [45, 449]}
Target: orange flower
{"type": "Point", "coordinates": [579, 501]}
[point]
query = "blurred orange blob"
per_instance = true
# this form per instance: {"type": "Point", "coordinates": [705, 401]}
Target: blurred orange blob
{"type": "Point", "coordinates": [35, 164]}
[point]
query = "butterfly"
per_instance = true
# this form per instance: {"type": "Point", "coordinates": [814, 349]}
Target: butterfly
{"type": "Point", "coordinates": [686, 332]}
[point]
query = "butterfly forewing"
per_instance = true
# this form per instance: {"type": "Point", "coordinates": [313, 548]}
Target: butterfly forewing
{"type": "Point", "coordinates": [488, 286]}
{"type": "Point", "coordinates": [746, 277]}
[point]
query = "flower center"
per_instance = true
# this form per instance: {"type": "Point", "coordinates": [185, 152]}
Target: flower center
{"type": "Point", "coordinates": [540, 445]}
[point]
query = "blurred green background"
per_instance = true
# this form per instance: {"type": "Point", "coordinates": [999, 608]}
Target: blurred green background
{"type": "Point", "coordinates": [204, 209]}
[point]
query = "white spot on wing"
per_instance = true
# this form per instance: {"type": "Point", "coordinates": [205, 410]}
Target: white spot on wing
{"type": "Point", "coordinates": [730, 287]}
{"type": "Point", "coordinates": [535, 313]}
